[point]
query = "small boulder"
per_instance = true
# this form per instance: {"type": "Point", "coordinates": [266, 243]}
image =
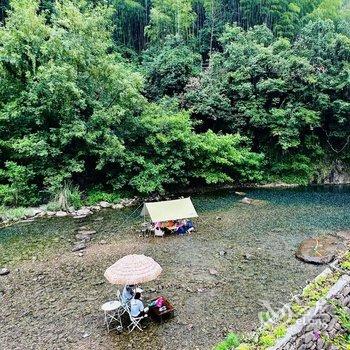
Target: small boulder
{"type": "Point", "coordinates": [83, 237]}
{"type": "Point", "coordinates": [79, 246]}
{"type": "Point", "coordinates": [36, 211]}
{"type": "Point", "coordinates": [99, 218]}
{"type": "Point", "coordinates": [344, 235]}
{"type": "Point", "coordinates": [105, 204]}
{"type": "Point", "coordinates": [96, 208]}
{"type": "Point", "coordinates": [79, 216]}
{"type": "Point", "coordinates": [61, 214]}
{"type": "Point", "coordinates": [246, 200]}
{"type": "Point", "coordinates": [320, 250]}
{"type": "Point", "coordinates": [87, 232]}
{"type": "Point", "coordinates": [117, 206]}
{"type": "Point", "coordinates": [103, 242]}
{"type": "Point", "coordinates": [84, 211]}
{"type": "Point", "coordinates": [240, 193]}
{"type": "Point", "coordinates": [4, 271]}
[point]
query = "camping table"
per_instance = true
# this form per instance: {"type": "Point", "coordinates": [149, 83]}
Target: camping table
{"type": "Point", "coordinates": [112, 314]}
{"type": "Point", "coordinates": [162, 315]}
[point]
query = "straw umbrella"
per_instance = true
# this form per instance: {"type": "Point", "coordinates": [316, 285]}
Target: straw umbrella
{"type": "Point", "coordinates": [133, 269]}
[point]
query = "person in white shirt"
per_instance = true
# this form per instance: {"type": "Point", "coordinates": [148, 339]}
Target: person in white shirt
{"type": "Point", "coordinates": [136, 306]}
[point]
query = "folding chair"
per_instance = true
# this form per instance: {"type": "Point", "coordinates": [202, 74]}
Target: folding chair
{"type": "Point", "coordinates": [158, 232]}
{"type": "Point", "coordinates": [135, 322]}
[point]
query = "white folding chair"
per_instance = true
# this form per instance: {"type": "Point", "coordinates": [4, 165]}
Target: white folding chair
{"type": "Point", "coordinates": [135, 322]}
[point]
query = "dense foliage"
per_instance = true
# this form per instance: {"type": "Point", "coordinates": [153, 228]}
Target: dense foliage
{"type": "Point", "coordinates": [147, 96]}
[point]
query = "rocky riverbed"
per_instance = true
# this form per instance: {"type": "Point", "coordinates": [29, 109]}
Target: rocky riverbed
{"type": "Point", "coordinates": [240, 260]}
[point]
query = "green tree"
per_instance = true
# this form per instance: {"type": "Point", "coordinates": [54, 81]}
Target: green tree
{"type": "Point", "coordinates": [170, 17]}
{"type": "Point", "coordinates": [170, 154]}
{"type": "Point", "coordinates": [64, 94]}
{"type": "Point", "coordinates": [258, 86]}
{"type": "Point", "coordinates": [169, 68]}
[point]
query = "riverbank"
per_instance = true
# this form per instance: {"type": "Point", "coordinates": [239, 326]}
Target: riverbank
{"type": "Point", "coordinates": [9, 216]}
{"type": "Point", "coordinates": [51, 297]}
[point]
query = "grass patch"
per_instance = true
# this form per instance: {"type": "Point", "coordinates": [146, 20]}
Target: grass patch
{"type": "Point", "coordinates": [95, 196]}
{"type": "Point", "coordinates": [232, 341]}
{"type": "Point", "coordinates": [14, 213]}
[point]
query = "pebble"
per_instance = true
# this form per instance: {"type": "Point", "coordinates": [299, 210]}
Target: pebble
{"type": "Point", "coordinates": [4, 271]}
{"type": "Point", "coordinates": [213, 272]}
{"type": "Point", "coordinates": [240, 193]}
{"type": "Point", "coordinates": [248, 256]}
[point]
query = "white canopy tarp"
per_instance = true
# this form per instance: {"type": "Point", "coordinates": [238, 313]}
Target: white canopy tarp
{"type": "Point", "coordinates": [170, 210]}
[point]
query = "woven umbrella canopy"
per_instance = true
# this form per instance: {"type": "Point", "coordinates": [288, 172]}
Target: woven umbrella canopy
{"type": "Point", "coordinates": [133, 269]}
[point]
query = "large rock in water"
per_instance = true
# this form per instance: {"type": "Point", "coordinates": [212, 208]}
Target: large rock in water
{"type": "Point", "coordinates": [320, 250]}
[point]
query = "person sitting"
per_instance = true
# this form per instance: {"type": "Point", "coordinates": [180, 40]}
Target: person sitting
{"type": "Point", "coordinates": [136, 306]}
{"type": "Point", "coordinates": [189, 226]}
{"type": "Point", "coordinates": [127, 294]}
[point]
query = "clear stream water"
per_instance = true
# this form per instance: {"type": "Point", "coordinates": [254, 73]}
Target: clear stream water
{"type": "Point", "coordinates": [251, 248]}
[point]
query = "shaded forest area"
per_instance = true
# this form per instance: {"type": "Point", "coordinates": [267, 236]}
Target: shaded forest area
{"type": "Point", "coordinates": [146, 96]}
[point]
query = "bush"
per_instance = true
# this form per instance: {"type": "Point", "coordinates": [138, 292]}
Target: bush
{"type": "Point", "coordinates": [69, 196]}
{"type": "Point", "coordinates": [230, 342]}
{"type": "Point", "coordinates": [96, 195]}
{"type": "Point", "coordinates": [244, 347]}
{"type": "Point", "coordinates": [18, 188]}
{"type": "Point", "coordinates": [267, 339]}
{"type": "Point", "coordinates": [13, 213]}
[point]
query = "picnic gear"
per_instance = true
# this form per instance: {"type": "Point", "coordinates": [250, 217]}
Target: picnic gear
{"type": "Point", "coordinates": [166, 311]}
{"type": "Point", "coordinates": [133, 269]}
{"type": "Point", "coordinates": [169, 210]}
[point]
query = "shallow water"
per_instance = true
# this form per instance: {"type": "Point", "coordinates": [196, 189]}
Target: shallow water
{"type": "Point", "coordinates": [257, 267]}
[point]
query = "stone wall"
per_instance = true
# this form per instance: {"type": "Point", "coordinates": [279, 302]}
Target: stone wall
{"type": "Point", "coordinates": [321, 322]}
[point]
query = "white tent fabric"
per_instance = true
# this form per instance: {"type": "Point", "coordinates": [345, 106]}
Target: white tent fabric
{"type": "Point", "coordinates": [170, 210]}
